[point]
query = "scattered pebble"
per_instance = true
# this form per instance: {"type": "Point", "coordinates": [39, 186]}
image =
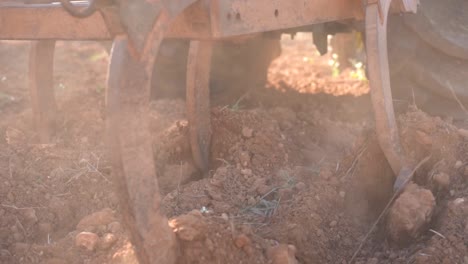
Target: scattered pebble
{"type": "Point", "coordinates": [224, 216]}
{"type": "Point", "coordinates": [333, 223]}
{"type": "Point", "coordinates": [86, 241]}
{"type": "Point", "coordinates": [242, 241]}
{"type": "Point", "coordinates": [300, 186]}
{"type": "Point", "coordinates": [107, 241]}
{"type": "Point", "coordinates": [282, 254]}
{"type": "Point", "coordinates": [251, 201]}
{"type": "Point", "coordinates": [442, 180]}
{"type": "Point", "coordinates": [458, 164]}
{"type": "Point", "coordinates": [247, 172]}
{"type": "Point", "coordinates": [325, 174]}
{"type": "Point", "coordinates": [244, 158]}
{"type": "Point", "coordinates": [342, 194]}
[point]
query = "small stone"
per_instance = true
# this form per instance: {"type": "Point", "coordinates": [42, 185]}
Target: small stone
{"type": "Point", "coordinates": [251, 201]}
{"type": "Point", "coordinates": [458, 164]}
{"type": "Point", "coordinates": [107, 241]}
{"type": "Point", "coordinates": [325, 174]}
{"type": "Point", "coordinates": [244, 158]}
{"type": "Point", "coordinates": [333, 223]}
{"type": "Point", "coordinates": [282, 254]}
{"type": "Point", "coordinates": [247, 172]}
{"type": "Point", "coordinates": [114, 227]}
{"type": "Point", "coordinates": [29, 215]}
{"type": "Point", "coordinates": [442, 180]}
{"type": "Point", "coordinates": [373, 261]}
{"type": "Point", "coordinates": [342, 194]}
{"type": "Point", "coordinates": [452, 192]}
{"type": "Point", "coordinates": [86, 241]}
{"type": "Point", "coordinates": [300, 186]}
{"type": "Point", "coordinates": [423, 138]}
{"type": "Point", "coordinates": [224, 216]}
{"type": "Point", "coordinates": [320, 232]}
{"type": "Point", "coordinates": [247, 132]}
{"type": "Point", "coordinates": [242, 241]}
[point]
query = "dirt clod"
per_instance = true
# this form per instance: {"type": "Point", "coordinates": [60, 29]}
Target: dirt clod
{"type": "Point", "coordinates": [107, 241]}
{"type": "Point", "coordinates": [300, 186]}
{"type": "Point", "coordinates": [442, 180]}
{"type": "Point", "coordinates": [282, 254]}
{"type": "Point", "coordinates": [189, 227]}
{"type": "Point", "coordinates": [410, 213]}
{"type": "Point", "coordinates": [242, 241]}
{"type": "Point", "coordinates": [93, 221]}
{"type": "Point", "coordinates": [114, 227]}
{"type": "Point", "coordinates": [86, 241]}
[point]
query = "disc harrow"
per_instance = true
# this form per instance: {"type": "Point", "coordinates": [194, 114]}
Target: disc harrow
{"type": "Point", "coordinates": [137, 28]}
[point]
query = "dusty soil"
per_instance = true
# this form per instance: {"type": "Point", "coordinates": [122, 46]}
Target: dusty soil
{"type": "Point", "coordinates": [297, 175]}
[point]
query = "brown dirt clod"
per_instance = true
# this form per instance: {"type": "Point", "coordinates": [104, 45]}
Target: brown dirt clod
{"type": "Point", "coordinates": [87, 241]}
{"type": "Point", "coordinates": [410, 213]}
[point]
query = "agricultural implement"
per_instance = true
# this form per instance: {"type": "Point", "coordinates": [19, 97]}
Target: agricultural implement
{"type": "Point", "coordinates": [137, 28]}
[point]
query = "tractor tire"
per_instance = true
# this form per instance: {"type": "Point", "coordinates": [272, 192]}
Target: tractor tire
{"type": "Point", "coordinates": [235, 69]}
{"type": "Point", "coordinates": [428, 57]}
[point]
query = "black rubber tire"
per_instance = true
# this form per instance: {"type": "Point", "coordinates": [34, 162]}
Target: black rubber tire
{"type": "Point", "coordinates": [236, 68]}
{"type": "Point", "coordinates": [421, 71]}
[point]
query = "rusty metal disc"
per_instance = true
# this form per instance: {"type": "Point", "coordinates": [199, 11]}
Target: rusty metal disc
{"type": "Point", "coordinates": [41, 87]}
{"type": "Point", "coordinates": [198, 101]}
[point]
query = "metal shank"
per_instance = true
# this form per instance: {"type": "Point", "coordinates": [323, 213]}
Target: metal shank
{"type": "Point", "coordinates": [131, 155]}
{"type": "Point", "coordinates": [198, 101]}
{"type": "Point", "coordinates": [381, 94]}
